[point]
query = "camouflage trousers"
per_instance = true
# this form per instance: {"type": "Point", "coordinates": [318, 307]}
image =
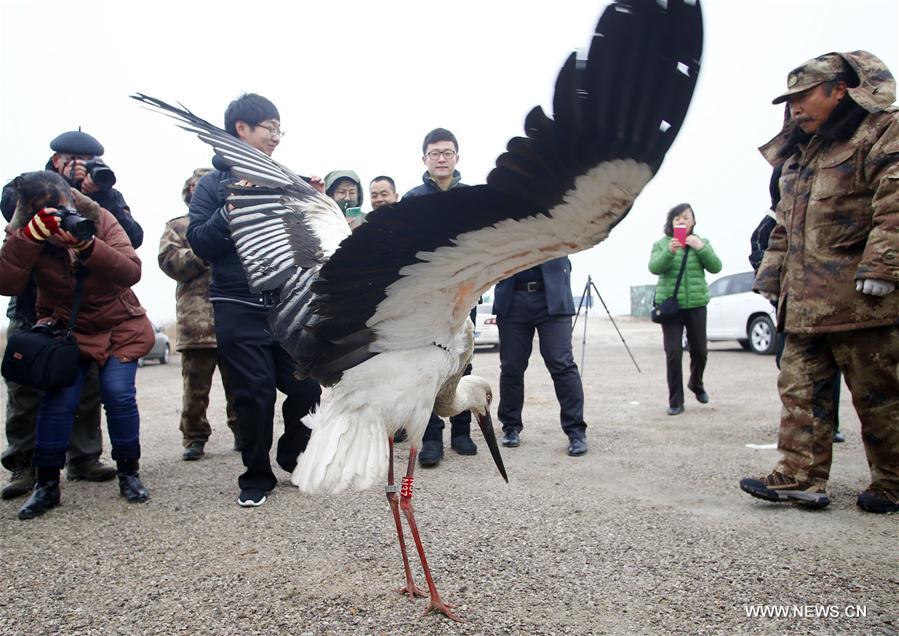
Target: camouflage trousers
{"type": "Point", "coordinates": [868, 359]}
{"type": "Point", "coordinates": [197, 367]}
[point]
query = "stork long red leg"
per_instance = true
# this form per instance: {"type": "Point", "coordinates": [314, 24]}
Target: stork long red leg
{"type": "Point", "coordinates": [392, 498]}
{"type": "Point", "coordinates": [435, 604]}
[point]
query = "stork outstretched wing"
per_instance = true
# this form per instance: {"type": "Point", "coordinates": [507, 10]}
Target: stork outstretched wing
{"type": "Point", "coordinates": [408, 277]}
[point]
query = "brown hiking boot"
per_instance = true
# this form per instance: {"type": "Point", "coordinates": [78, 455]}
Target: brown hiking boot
{"type": "Point", "coordinates": [779, 487]}
{"type": "Point", "coordinates": [879, 500]}
{"type": "Point", "coordinates": [21, 482]}
{"type": "Point", "coordinates": [90, 470]}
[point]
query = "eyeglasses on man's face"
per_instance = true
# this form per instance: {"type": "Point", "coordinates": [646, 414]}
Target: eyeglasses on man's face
{"type": "Point", "coordinates": [273, 131]}
{"type": "Point", "coordinates": [434, 155]}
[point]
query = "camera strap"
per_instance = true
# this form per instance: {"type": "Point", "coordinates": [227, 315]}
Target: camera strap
{"type": "Point", "coordinates": [680, 274]}
{"type": "Point", "coordinates": [79, 291]}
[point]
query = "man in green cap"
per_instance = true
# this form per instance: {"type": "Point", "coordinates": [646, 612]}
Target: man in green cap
{"type": "Point", "coordinates": [832, 265]}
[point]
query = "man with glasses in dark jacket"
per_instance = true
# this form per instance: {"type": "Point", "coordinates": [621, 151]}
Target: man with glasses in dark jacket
{"type": "Point", "coordinates": [258, 366]}
{"type": "Point", "coordinates": [440, 154]}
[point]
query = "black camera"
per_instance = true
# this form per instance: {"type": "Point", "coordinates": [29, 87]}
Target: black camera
{"type": "Point", "coordinates": [100, 173]}
{"type": "Point", "coordinates": [75, 224]}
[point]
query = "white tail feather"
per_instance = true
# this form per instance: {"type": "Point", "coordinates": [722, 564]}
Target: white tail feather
{"type": "Point", "coordinates": [345, 451]}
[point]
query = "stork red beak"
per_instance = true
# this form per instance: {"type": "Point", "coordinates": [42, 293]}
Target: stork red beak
{"type": "Point", "coordinates": [486, 424]}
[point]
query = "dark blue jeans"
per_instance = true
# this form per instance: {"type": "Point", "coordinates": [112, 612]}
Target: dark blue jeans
{"type": "Point", "coordinates": [56, 414]}
{"type": "Point", "coordinates": [516, 338]}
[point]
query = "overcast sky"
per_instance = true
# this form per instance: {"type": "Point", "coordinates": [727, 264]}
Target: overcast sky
{"type": "Point", "coordinates": [358, 84]}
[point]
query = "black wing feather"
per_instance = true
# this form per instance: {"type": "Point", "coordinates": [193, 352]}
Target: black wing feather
{"type": "Point", "coordinates": [610, 107]}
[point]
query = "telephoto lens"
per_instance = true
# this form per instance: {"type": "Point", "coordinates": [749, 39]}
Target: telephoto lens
{"type": "Point", "coordinates": [100, 173]}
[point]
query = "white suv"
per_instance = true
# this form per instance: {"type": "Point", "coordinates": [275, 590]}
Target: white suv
{"type": "Point", "coordinates": [735, 312]}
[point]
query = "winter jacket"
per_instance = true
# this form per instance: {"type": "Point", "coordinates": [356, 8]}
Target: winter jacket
{"type": "Point", "coordinates": [111, 321]}
{"type": "Point", "coordinates": [837, 222]}
{"type": "Point", "coordinates": [22, 306]}
{"type": "Point", "coordinates": [429, 186]}
{"type": "Point", "coordinates": [556, 275]}
{"type": "Point", "coordinates": [210, 239]}
{"type": "Point", "coordinates": [758, 242]}
{"type": "Point", "coordinates": [196, 328]}
{"type": "Point", "coordinates": [693, 291]}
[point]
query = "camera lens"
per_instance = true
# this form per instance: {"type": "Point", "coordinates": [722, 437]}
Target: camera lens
{"type": "Point", "coordinates": [100, 173]}
{"type": "Point", "coordinates": [78, 226]}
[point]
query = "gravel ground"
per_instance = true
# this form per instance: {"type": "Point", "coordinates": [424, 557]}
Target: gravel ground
{"type": "Point", "coordinates": [647, 534]}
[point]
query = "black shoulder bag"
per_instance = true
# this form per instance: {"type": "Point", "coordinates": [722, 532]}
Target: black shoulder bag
{"type": "Point", "coordinates": [669, 309]}
{"type": "Point", "coordinates": [46, 356]}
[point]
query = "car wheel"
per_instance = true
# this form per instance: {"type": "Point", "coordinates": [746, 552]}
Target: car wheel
{"type": "Point", "coordinates": [166, 355]}
{"type": "Point", "coordinates": [745, 345]}
{"type": "Point", "coordinates": [762, 338]}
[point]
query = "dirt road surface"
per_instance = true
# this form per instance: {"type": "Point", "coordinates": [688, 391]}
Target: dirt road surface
{"type": "Point", "coordinates": [647, 534]}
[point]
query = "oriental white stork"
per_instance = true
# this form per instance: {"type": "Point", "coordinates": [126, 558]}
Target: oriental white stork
{"type": "Point", "coordinates": [381, 314]}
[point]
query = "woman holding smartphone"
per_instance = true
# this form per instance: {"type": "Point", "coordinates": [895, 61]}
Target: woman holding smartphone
{"type": "Point", "coordinates": [680, 249]}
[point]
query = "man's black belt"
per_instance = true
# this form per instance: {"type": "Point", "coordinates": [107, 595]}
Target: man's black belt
{"type": "Point", "coordinates": [531, 286]}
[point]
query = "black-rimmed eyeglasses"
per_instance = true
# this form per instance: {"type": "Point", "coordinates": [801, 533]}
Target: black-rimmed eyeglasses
{"type": "Point", "coordinates": [274, 132]}
{"type": "Point", "coordinates": [434, 155]}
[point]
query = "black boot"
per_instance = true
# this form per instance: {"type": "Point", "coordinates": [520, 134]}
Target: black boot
{"type": "Point", "coordinates": [44, 496]}
{"type": "Point", "coordinates": [130, 485]}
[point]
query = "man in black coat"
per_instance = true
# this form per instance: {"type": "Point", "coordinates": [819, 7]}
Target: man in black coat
{"type": "Point", "coordinates": [258, 366]}
{"type": "Point", "coordinates": [440, 154]}
{"type": "Point", "coordinates": [538, 299]}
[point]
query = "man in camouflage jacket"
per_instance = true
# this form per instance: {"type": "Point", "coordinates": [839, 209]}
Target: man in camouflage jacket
{"type": "Point", "coordinates": [196, 330]}
{"type": "Point", "coordinates": [832, 265]}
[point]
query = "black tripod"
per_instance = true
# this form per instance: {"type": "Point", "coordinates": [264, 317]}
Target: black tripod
{"type": "Point", "coordinates": [587, 294]}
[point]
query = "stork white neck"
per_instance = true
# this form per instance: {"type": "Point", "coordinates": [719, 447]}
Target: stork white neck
{"type": "Point", "coordinates": [472, 394]}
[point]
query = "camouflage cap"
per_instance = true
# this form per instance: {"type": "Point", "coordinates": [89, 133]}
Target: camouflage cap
{"type": "Point", "coordinates": [823, 68]}
{"type": "Point", "coordinates": [875, 88]}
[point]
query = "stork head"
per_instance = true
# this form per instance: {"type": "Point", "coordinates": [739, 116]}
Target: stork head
{"type": "Point", "coordinates": [477, 397]}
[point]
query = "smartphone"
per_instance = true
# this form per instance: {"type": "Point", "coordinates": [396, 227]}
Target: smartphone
{"type": "Point", "coordinates": [680, 233]}
{"type": "Point", "coordinates": [353, 213]}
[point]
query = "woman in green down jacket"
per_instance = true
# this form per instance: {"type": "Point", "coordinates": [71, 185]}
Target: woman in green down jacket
{"type": "Point", "coordinates": [692, 295]}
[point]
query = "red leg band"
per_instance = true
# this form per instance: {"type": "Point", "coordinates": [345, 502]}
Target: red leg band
{"type": "Point", "coordinates": [406, 488]}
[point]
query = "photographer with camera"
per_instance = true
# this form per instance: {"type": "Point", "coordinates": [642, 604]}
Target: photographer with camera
{"type": "Point", "coordinates": [79, 253]}
{"type": "Point", "coordinates": [75, 158]}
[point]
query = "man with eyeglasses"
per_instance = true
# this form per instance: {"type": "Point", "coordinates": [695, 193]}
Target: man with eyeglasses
{"type": "Point", "coordinates": [258, 366]}
{"type": "Point", "coordinates": [72, 151]}
{"type": "Point", "coordinates": [440, 154]}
